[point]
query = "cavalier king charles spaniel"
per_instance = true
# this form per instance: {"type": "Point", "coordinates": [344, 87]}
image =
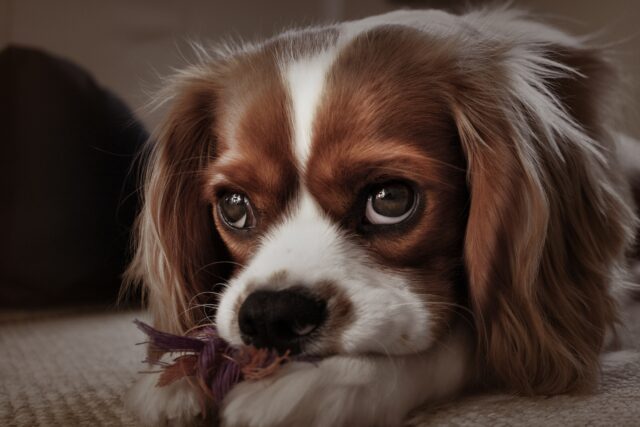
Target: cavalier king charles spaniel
{"type": "Point", "coordinates": [428, 203]}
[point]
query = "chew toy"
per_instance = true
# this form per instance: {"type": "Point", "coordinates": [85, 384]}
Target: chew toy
{"type": "Point", "coordinates": [213, 363]}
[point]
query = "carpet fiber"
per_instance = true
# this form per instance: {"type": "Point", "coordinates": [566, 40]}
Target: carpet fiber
{"type": "Point", "coordinates": [72, 368]}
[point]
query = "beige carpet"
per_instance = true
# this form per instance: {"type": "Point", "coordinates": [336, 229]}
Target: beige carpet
{"type": "Point", "coordinates": [67, 369]}
{"type": "Point", "coordinates": [62, 369]}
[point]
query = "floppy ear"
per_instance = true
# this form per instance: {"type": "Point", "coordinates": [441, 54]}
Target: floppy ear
{"type": "Point", "coordinates": [178, 250]}
{"type": "Point", "coordinates": [548, 222]}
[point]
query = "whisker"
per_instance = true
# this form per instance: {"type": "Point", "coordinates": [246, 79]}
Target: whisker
{"type": "Point", "coordinates": [220, 262]}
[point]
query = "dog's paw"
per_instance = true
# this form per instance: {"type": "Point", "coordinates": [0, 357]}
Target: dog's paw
{"type": "Point", "coordinates": [177, 404]}
{"type": "Point", "coordinates": [338, 391]}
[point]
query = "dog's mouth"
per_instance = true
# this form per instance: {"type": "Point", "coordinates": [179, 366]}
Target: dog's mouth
{"type": "Point", "coordinates": [291, 349]}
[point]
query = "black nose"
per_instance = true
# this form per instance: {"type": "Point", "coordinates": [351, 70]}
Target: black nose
{"type": "Point", "coordinates": [280, 320]}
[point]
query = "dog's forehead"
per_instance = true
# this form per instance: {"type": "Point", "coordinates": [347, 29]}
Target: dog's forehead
{"type": "Point", "coordinates": [320, 85]}
{"type": "Point", "coordinates": [315, 112]}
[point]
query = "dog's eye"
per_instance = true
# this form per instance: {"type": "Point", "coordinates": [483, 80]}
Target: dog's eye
{"type": "Point", "coordinates": [236, 211]}
{"type": "Point", "coordinates": [390, 203]}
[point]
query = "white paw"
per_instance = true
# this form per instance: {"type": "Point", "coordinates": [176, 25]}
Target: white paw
{"type": "Point", "coordinates": [335, 392]}
{"type": "Point", "coordinates": [177, 404]}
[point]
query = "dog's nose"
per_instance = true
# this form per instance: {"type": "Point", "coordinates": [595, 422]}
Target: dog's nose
{"type": "Point", "coordinates": [280, 320]}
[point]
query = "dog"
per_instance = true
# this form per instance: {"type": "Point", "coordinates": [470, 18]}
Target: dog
{"type": "Point", "coordinates": [429, 203]}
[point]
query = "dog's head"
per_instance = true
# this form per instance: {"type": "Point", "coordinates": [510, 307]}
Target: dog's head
{"type": "Point", "coordinates": [359, 188]}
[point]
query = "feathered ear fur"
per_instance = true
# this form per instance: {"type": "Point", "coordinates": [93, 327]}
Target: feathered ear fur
{"type": "Point", "coordinates": [548, 222]}
{"type": "Point", "coordinates": [178, 251]}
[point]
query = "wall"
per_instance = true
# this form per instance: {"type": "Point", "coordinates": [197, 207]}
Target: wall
{"type": "Point", "coordinates": [127, 44]}
{"type": "Point", "coordinates": [614, 24]}
{"type": "Point", "coordinates": [5, 22]}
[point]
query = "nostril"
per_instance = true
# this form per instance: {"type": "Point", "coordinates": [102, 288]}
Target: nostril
{"type": "Point", "coordinates": [291, 329]}
{"type": "Point", "coordinates": [303, 330]}
{"type": "Point", "coordinates": [247, 327]}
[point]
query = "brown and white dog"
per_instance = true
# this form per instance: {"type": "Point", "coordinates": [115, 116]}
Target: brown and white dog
{"type": "Point", "coordinates": [430, 202]}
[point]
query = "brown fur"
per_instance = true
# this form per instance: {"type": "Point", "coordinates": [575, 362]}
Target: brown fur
{"type": "Point", "coordinates": [393, 89]}
{"type": "Point", "coordinates": [542, 239]}
{"type": "Point", "coordinates": [340, 314]}
{"type": "Point", "coordinates": [179, 258]}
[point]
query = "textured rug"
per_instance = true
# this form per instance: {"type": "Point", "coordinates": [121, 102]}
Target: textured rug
{"type": "Point", "coordinates": [72, 368]}
{"type": "Point", "coordinates": [67, 369]}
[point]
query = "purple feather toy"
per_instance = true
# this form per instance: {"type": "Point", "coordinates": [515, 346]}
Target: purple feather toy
{"type": "Point", "coordinates": [211, 361]}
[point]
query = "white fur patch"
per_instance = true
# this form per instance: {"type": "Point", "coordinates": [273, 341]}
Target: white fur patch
{"type": "Point", "coordinates": [177, 404]}
{"type": "Point", "coordinates": [306, 79]}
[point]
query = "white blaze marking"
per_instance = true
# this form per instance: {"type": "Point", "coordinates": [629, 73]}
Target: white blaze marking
{"type": "Point", "coordinates": [306, 81]}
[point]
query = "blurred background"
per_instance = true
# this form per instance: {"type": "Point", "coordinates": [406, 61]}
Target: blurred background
{"type": "Point", "coordinates": [126, 44]}
{"type": "Point", "coordinates": [71, 116]}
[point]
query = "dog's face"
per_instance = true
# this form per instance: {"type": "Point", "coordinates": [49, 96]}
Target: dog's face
{"type": "Point", "coordinates": [353, 189]}
{"type": "Point", "coordinates": [342, 198]}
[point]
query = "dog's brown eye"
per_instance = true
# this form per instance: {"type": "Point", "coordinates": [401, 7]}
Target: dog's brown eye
{"type": "Point", "coordinates": [236, 211]}
{"type": "Point", "coordinates": [390, 203]}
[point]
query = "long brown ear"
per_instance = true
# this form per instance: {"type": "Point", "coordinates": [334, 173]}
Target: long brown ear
{"type": "Point", "coordinates": [178, 251]}
{"type": "Point", "coordinates": [548, 222]}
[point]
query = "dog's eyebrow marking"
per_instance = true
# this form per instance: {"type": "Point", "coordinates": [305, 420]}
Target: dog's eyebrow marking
{"type": "Point", "coordinates": [305, 79]}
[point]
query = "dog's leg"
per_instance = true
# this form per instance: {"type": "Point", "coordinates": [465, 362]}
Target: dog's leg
{"type": "Point", "coordinates": [177, 404]}
{"type": "Point", "coordinates": [350, 390]}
